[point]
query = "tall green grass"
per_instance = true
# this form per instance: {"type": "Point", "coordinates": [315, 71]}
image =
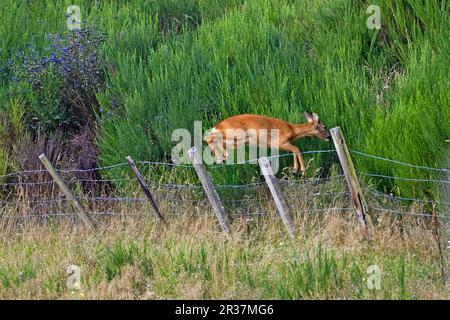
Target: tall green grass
{"type": "Point", "coordinates": [170, 63]}
{"type": "Point", "coordinates": [386, 89]}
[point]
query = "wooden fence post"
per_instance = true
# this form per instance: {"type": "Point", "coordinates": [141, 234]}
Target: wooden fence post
{"type": "Point", "coordinates": [272, 182]}
{"type": "Point", "coordinates": [80, 211]}
{"type": "Point", "coordinates": [144, 187]}
{"type": "Point", "coordinates": [210, 191]}
{"type": "Point", "coordinates": [350, 176]}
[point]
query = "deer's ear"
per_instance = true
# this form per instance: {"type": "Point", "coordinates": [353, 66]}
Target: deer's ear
{"type": "Point", "coordinates": [315, 117]}
{"type": "Point", "coordinates": [308, 117]}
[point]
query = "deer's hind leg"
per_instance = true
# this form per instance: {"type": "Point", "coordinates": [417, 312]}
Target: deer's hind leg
{"type": "Point", "coordinates": [211, 140]}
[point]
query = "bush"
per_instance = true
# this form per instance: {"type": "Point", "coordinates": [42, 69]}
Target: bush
{"type": "Point", "coordinates": [60, 85]}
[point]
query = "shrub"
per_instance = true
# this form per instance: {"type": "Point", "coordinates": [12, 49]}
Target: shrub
{"type": "Point", "coordinates": [61, 84]}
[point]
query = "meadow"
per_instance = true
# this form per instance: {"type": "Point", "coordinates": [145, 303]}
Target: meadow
{"type": "Point", "coordinates": [136, 71]}
{"type": "Point", "coordinates": [133, 255]}
{"type": "Point", "coordinates": [136, 257]}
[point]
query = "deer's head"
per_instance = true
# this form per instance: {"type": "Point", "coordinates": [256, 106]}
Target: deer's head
{"type": "Point", "coordinates": [318, 128]}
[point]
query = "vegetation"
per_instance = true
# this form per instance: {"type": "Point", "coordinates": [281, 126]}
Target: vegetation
{"type": "Point", "coordinates": [329, 259]}
{"type": "Point", "coordinates": [132, 255]}
{"type": "Point", "coordinates": [136, 71]}
{"type": "Point", "coordinates": [161, 65]}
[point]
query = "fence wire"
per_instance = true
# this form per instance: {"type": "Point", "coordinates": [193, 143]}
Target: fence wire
{"type": "Point", "coordinates": [402, 178]}
{"type": "Point", "coordinates": [303, 196]}
{"type": "Point", "coordinates": [399, 162]}
{"type": "Point", "coordinates": [390, 196]}
{"type": "Point", "coordinates": [420, 214]}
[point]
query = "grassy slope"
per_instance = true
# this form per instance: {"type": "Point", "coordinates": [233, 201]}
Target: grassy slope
{"type": "Point", "coordinates": [279, 58]}
{"type": "Point", "coordinates": [171, 63]}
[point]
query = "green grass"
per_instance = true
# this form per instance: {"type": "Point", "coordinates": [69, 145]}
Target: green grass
{"type": "Point", "coordinates": [170, 63]}
{"type": "Point", "coordinates": [387, 89]}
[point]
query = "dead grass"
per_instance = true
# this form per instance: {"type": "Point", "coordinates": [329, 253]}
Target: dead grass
{"type": "Point", "coordinates": [137, 258]}
{"type": "Point", "coordinates": [133, 256]}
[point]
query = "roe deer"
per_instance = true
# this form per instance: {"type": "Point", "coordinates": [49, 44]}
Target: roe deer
{"type": "Point", "coordinates": [246, 128]}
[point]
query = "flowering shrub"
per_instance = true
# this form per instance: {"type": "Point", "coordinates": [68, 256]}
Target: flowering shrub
{"type": "Point", "coordinates": [60, 84]}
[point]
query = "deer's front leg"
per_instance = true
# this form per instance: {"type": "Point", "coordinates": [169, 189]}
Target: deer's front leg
{"type": "Point", "coordinates": [302, 164]}
{"type": "Point", "coordinates": [297, 156]}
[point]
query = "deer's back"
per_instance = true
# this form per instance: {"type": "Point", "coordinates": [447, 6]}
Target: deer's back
{"type": "Point", "coordinates": [253, 121]}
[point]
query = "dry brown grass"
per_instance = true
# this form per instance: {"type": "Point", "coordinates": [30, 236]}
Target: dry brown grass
{"type": "Point", "coordinates": [133, 256]}
{"type": "Point", "coordinates": [137, 258]}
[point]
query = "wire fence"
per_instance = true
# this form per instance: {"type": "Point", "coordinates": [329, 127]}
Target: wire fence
{"type": "Point", "coordinates": [33, 194]}
{"type": "Point", "coordinates": [400, 162]}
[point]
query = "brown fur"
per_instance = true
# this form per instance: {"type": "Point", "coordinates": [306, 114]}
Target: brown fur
{"type": "Point", "coordinates": [288, 132]}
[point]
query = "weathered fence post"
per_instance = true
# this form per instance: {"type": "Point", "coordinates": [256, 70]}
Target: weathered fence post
{"type": "Point", "coordinates": [350, 176]}
{"type": "Point", "coordinates": [80, 211]}
{"type": "Point", "coordinates": [144, 187]}
{"type": "Point", "coordinates": [272, 182]}
{"type": "Point", "coordinates": [210, 191]}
